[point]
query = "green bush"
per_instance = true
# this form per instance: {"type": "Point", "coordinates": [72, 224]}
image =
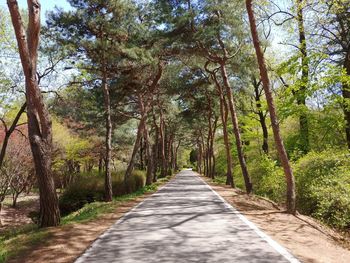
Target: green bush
{"type": "Point", "coordinates": [83, 191]}
{"type": "Point", "coordinates": [323, 186]}
{"type": "Point", "coordinates": [268, 179]}
{"type": "Point", "coordinates": [90, 188]}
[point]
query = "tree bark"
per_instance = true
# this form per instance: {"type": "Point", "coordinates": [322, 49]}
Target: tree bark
{"type": "Point", "coordinates": [200, 157]}
{"type": "Point", "coordinates": [271, 106]}
{"type": "Point", "coordinates": [262, 117]}
{"type": "Point", "coordinates": [8, 133]}
{"type": "Point", "coordinates": [176, 153]}
{"type": "Point", "coordinates": [155, 148]}
{"type": "Point", "coordinates": [162, 143]}
{"type": "Point", "coordinates": [224, 119]}
{"type": "Point", "coordinates": [346, 97]}
{"type": "Point", "coordinates": [149, 177]}
{"type": "Point", "coordinates": [236, 131]}
{"type": "Point", "coordinates": [39, 122]}
{"type": "Point", "coordinates": [301, 92]}
{"type": "Point", "coordinates": [131, 164]}
{"type": "Point", "coordinates": [108, 138]}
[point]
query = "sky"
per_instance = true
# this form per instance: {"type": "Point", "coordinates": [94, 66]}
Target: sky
{"type": "Point", "coordinates": [46, 5]}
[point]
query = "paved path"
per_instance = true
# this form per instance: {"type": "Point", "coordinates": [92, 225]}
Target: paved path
{"type": "Point", "coordinates": [185, 221]}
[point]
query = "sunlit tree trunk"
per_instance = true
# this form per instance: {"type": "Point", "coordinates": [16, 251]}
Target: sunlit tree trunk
{"type": "Point", "coordinates": [39, 122]}
{"type": "Point", "coordinates": [272, 110]}
{"type": "Point", "coordinates": [236, 131]}
{"type": "Point", "coordinates": [224, 119]}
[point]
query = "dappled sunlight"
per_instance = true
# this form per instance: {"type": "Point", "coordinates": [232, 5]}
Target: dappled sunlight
{"type": "Point", "coordinates": [183, 222]}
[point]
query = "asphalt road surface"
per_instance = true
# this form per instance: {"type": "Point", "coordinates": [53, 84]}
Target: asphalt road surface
{"type": "Point", "coordinates": [185, 221]}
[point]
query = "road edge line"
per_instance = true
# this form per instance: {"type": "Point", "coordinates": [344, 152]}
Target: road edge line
{"type": "Point", "coordinates": [275, 245]}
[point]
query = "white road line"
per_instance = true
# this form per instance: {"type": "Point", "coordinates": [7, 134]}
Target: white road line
{"type": "Point", "coordinates": [279, 248]}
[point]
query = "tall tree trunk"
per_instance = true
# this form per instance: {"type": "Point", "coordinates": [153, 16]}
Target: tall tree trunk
{"type": "Point", "coordinates": [176, 153]}
{"type": "Point", "coordinates": [236, 131]}
{"type": "Point", "coordinates": [131, 164]}
{"type": "Point", "coordinates": [271, 106]}
{"type": "Point", "coordinates": [301, 92]}
{"type": "Point", "coordinates": [262, 117]}
{"type": "Point", "coordinates": [149, 177]}
{"type": "Point", "coordinates": [200, 158]}
{"type": "Point", "coordinates": [39, 122]}
{"type": "Point", "coordinates": [141, 154]}
{"type": "Point", "coordinates": [224, 120]}
{"type": "Point", "coordinates": [212, 155]}
{"type": "Point", "coordinates": [162, 144]}
{"type": "Point", "coordinates": [170, 140]}
{"type": "Point", "coordinates": [346, 97]}
{"type": "Point", "coordinates": [108, 138]}
{"type": "Point", "coordinates": [155, 147]}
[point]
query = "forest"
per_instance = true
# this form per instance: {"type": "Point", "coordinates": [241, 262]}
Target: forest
{"type": "Point", "coordinates": [102, 99]}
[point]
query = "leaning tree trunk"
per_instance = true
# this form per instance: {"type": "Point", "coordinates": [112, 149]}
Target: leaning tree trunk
{"type": "Point", "coordinates": [224, 120]}
{"type": "Point", "coordinates": [301, 93]}
{"type": "Point", "coordinates": [39, 122]}
{"type": "Point", "coordinates": [236, 131]}
{"type": "Point", "coordinates": [271, 106]}
{"type": "Point", "coordinates": [131, 164]}
{"type": "Point", "coordinates": [108, 138]}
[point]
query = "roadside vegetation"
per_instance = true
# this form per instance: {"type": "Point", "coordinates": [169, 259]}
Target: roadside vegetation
{"type": "Point", "coordinates": [101, 99]}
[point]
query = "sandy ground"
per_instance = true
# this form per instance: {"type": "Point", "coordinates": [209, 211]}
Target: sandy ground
{"type": "Point", "coordinates": [12, 217]}
{"type": "Point", "coordinates": [68, 242]}
{"type": "Point", "coordinates": [305, 238]}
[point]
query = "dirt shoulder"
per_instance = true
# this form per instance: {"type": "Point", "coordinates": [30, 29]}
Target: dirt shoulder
{"type": "Point", "coordinates": [305, 238]}
{"type": "Point", "coordinates": [13, 217]}
{"type": "Point", "coordinates": [65, 243]}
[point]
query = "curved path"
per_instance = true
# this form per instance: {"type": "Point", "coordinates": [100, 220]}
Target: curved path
{"type": "Point", "coordinates": [185, 221]}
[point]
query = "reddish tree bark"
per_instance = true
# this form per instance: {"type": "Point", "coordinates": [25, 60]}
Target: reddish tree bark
{"type": "Point", "coordinates": [236, 131]}
{"type": "Point", "coordinates": [39, 122]}
{"type": "Point", "coordinates": [224, 119]}
{"type": "Point", "coordinates": [272, 109]}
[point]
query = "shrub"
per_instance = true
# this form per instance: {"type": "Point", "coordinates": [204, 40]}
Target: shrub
{"type": "Point", "coordinates": [90, 188]}
{"type": "Point", "coordinates": [83, 191]}
{"type": "Point", "coordinates": [268, 179]}
{"type": "Point", "coordinates": [323, 186]}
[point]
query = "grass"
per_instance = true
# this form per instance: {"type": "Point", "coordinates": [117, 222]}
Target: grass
{"type": "Point", "coordinates": [17, 240]}
{"type": "Point", "coordinates": [219, 179]}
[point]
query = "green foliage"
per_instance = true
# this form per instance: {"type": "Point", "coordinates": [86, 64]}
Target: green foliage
{"type": "Point", "coordinates": [323, 185]}
{"type": "Point", "coordinates": [16, 240]}
{"type": "Point", "coordinates": [268, 178]}
{"type": "Point", "coordinates": [90, 188]}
